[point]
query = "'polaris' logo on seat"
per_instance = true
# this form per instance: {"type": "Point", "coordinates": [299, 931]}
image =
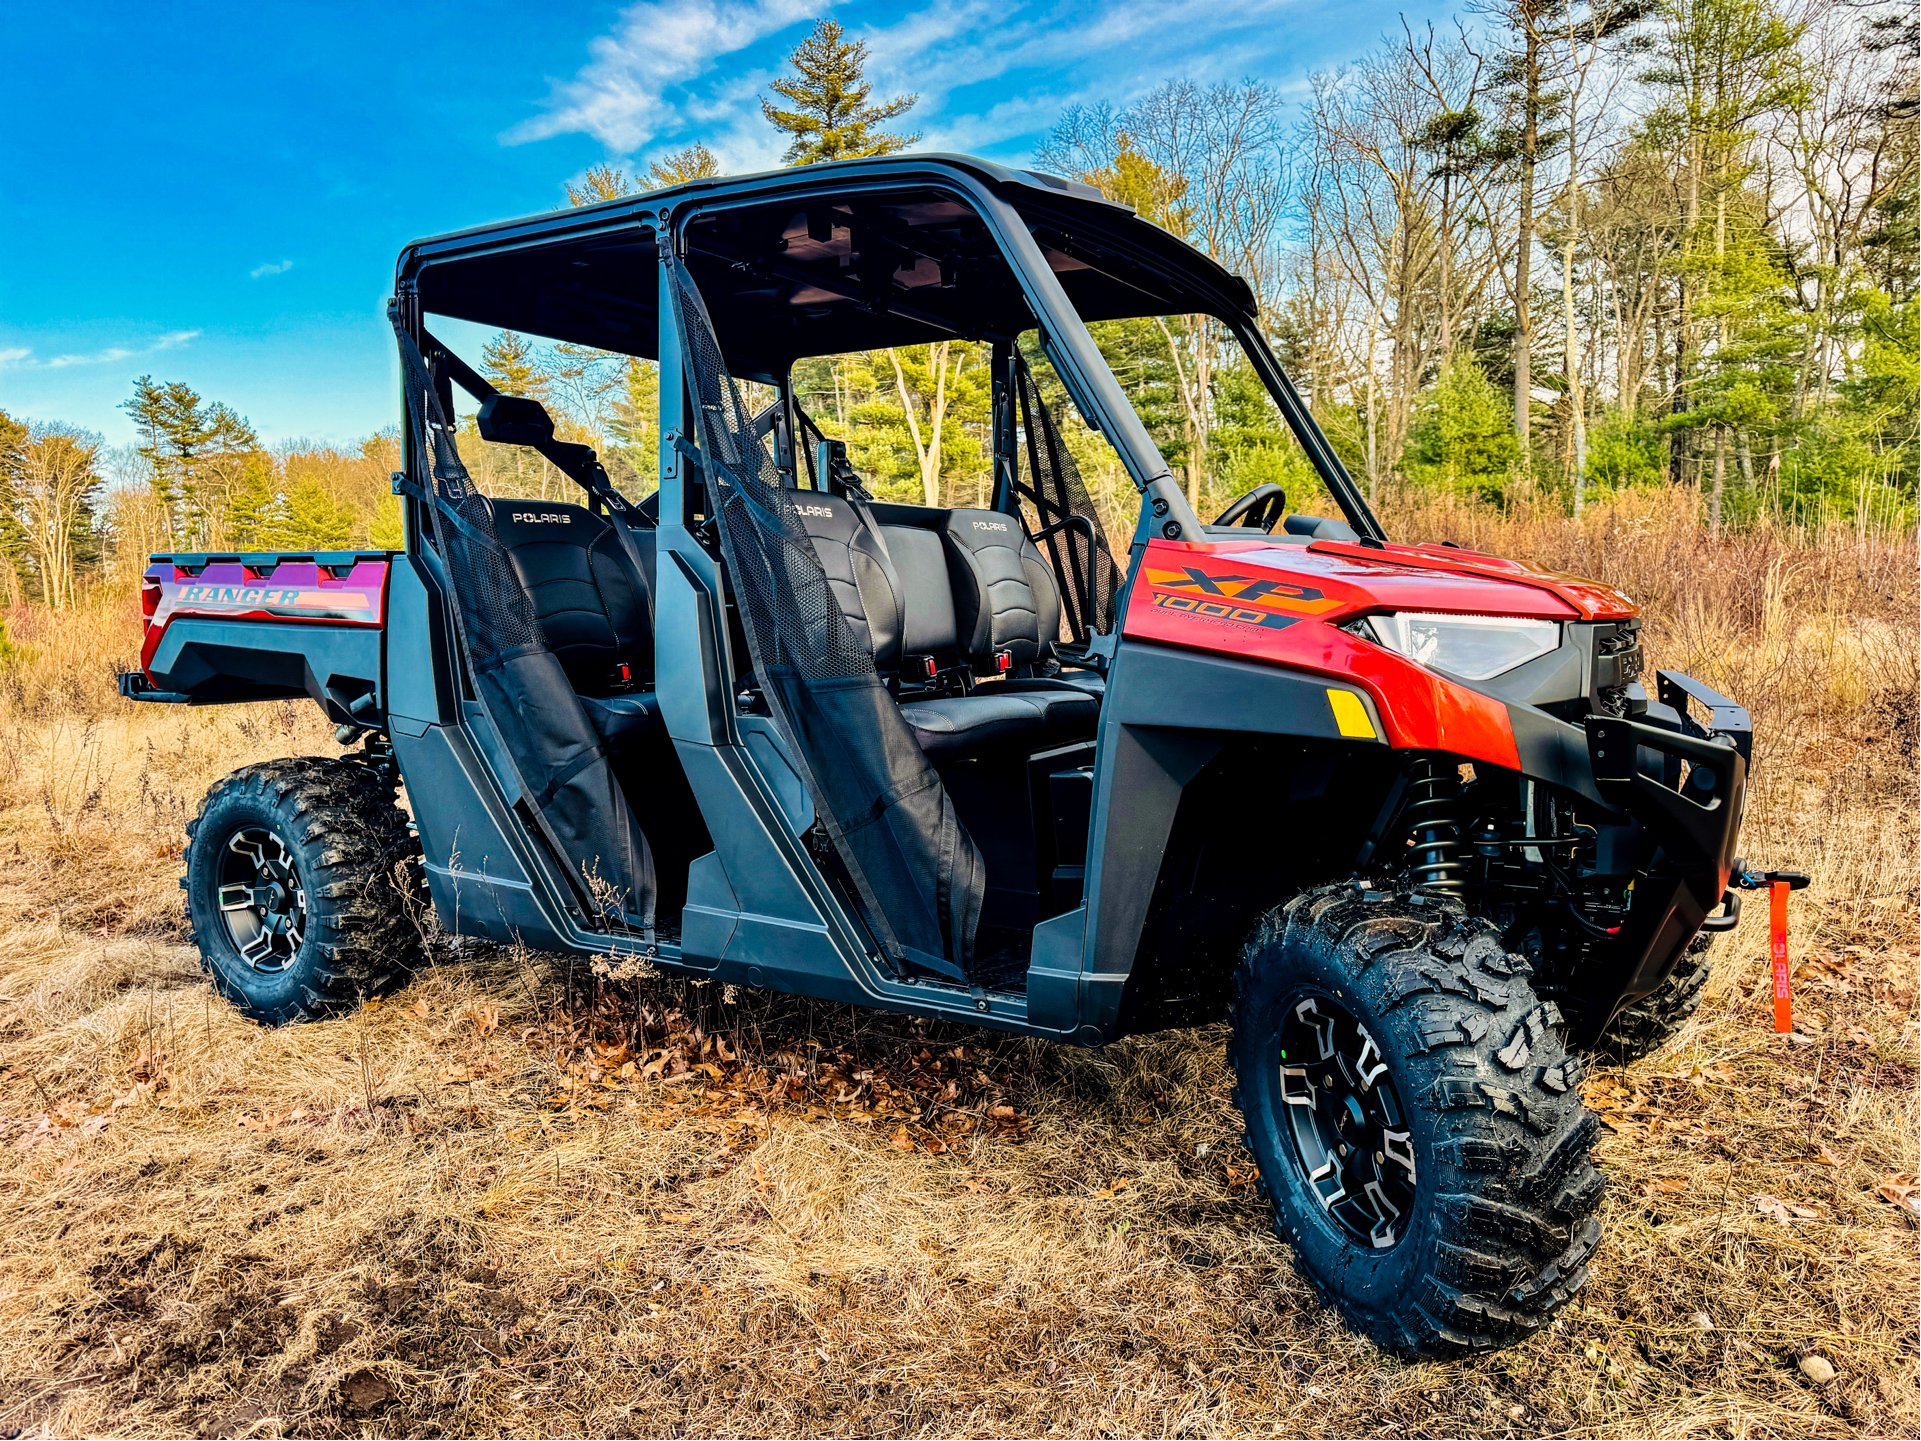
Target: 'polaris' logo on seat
{"type": "Point", "coordinates": [988, 524]}
{"type": "Point", "coordinates": [820, 510]}
{"type": "Point", "coordinates": [541, 517]}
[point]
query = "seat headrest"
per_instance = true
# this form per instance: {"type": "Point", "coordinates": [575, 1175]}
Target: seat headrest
{"type": "Point", "coordinates": [522, 522]}
{"type": "Point", "coordinates": [858, 569]}
{"type": "Point", "coordinates": [824, 514]}
{"type": "Point", "coordinates": [1006, 605]}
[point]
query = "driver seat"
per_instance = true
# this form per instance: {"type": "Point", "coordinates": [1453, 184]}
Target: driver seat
{"type": "Point", "coordinates": [974, 589]}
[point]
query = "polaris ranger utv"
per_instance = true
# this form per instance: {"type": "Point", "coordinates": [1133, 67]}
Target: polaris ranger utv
{"type": "Point", "coordinates": [1405, 814]}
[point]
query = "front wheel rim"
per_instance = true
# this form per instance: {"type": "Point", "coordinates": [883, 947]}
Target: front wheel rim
{"type": "Point", "coordinates": [261, 900]}
{"type": "Point", "coordinates": [1345, 1125]}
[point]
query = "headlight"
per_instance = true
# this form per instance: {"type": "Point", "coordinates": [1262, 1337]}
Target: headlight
{"type": "Point", "coordinates": [1473, 647]}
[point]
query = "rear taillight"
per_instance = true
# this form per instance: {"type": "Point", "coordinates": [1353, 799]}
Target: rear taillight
{"type": "Point", "coordinates": [149, 598]}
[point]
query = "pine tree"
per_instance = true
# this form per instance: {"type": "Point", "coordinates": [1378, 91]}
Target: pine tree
{"type": "Point", "coordinates": [510, 363]}
{"type": "Point", "coordinates": [252, 513]}
{"type": "Point", "coordinates": [148, 410]}
{"type": "Point", "coordinates": [601, 182]}
{"type": "Point", "coordinates": [636, 428]}
{"type": "Point", "coordinates": [1157, 193]}
{"type": "Point", "coordinates": [387, 527]}
{"type": "Point", "coordinates": [696, 162]}
{"type": "Point", "coordinates": [1461, 440]}
{"type": "Point", "coordinates": [174, 433]}
{"type": "Point", "coordinates": [230, 450]}
{"type": "Point", "coordinates": [610, 182]}
{"type": "Point", "coordinates": [831, 119]}
{"type": "Point", "coordinates": [313, 519]}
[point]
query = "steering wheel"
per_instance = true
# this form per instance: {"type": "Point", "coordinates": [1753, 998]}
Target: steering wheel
{"type": "Point", "coordinates": [1261, 508]}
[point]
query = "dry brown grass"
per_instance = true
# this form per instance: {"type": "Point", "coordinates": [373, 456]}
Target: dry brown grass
{"type": "Point", "coordinates": [428, 1217]}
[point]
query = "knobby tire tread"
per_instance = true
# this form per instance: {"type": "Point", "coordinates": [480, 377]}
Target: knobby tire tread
{"type": "Point", "coordinates": [340, 816]}
{"type": "Point", "coordinates": [1514, 1187]}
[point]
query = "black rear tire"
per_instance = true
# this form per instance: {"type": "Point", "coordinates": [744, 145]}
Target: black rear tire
{"type": "Point", "coordinates": [1643, 1027]}
{"type": "Point", "coordinates": [296, 878]}
{"type": "Point", "coordinates": [1471, 1224]}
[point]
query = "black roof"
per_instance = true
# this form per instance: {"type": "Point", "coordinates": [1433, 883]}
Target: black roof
{"type": "Point", "coordinates": [820, 259]}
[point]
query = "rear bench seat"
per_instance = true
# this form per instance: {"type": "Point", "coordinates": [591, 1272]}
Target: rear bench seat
{"type": "Point", "coordinates": [595, 608]}
{"type": "Point", "coordinates": [958, 588]}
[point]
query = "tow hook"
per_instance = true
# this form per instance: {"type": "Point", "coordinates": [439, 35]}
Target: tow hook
{"type": "Point", "coordinates": [1743, 879]}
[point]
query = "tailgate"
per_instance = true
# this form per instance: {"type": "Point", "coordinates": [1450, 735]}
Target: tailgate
{"type": "Point", "coordinates": [262, 627]}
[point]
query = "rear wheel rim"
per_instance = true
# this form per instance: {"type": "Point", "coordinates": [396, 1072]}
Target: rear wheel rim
{"type": "Point", "coordinates": [1345, 1124]}
{"type": "Point", "coordinates": [262, 902]}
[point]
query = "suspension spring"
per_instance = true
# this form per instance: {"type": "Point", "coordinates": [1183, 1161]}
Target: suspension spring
{"type": "Point", "coordinates": [1433, 825]}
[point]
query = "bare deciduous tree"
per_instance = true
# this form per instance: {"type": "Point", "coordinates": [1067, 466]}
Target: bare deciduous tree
{"type": "Point", "coordinates": [58, 481]}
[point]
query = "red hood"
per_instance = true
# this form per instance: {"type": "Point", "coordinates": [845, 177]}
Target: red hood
{"type": "Point", "coordinates": [1588, 599]}
{"type": "Point", "coordinates": [1347, 578]}
{"type": "Point", "coordinates": [1261, 601]}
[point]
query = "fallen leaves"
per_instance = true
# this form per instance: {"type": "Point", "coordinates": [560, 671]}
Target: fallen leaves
{"type": "Point", "coordinates": [1825, 972]}
{"type": "Point", "coordinates": [1720, 1071]}
{"type": "Point", "coordinates": [1631, 1111]}
{"type": "Point", "coordinates": [272, 1120]}
{"type": "Point", "coordinates": [80, 1119]}
{"type": "Point", "coordinates": [1902, 1190]}
{"type": "Point", "coordinates": [1775, 1209]}
{"type": "Point", "coordinates": [662, 1067]}
{"type": "Point", "coordinates": [478, 1068]}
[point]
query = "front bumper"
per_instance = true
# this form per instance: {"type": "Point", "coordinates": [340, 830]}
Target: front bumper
{"type": "Point", "coordinates": [1683, 783]}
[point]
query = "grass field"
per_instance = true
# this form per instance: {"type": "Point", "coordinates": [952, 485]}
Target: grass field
{"type": "Point", "coordinates": [514, 1199]}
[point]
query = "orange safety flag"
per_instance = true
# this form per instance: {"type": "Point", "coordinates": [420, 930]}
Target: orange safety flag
{"type": "Point", "coordinates": [1778, 926]}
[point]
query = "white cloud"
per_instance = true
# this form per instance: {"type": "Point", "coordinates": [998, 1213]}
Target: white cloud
{"type": "Point", "coordinates": [678, 70]}
{"type": "Point", "coordinates": [620, 96]}
{"type": "Point", "coordinates": [22, 356]}
{"type": "Point", "coordinates": [272, 267]}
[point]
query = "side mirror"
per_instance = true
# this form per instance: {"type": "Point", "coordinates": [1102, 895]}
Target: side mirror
{"type": "Point", "coordinates": [514, 420]}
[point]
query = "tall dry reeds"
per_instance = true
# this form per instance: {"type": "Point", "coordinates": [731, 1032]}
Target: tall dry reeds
{"type": "Point", "coordinates": [95, 790]}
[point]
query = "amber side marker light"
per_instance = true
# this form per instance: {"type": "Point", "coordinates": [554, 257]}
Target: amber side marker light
{"type": "Point", "coordinates": [1350, 715]}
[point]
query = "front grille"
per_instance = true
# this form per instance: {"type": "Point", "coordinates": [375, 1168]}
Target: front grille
{"type": "Point", "coordinates": [1617, 665]}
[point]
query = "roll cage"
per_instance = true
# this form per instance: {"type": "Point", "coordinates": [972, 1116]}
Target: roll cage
{"type": "Point", "coordinates": [1015, 251]}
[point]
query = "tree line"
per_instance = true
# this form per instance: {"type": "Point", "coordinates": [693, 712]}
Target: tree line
{"type": "Point", "coordinates": [1552, 251]}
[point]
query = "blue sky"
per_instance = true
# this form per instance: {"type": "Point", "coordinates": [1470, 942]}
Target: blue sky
{"type": "Point", "coordinates": [216, 193]}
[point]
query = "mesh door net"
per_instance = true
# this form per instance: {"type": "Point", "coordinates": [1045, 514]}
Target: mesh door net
{"type": "Point", "coordinates": [526, 694]}
{"type": "Point", "coordinates": [919, 874]}
{"type": "Point", "coordinates": [1052, 488]}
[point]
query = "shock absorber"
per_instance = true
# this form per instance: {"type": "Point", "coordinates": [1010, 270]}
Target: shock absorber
{"type": "Point", "coordinates": [1432, 815]}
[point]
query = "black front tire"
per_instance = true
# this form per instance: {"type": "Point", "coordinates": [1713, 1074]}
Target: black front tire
{"type": "Point", "coordinates": [1473, 1224]}
{"type": "Point", "coordinates": [297, 873]}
